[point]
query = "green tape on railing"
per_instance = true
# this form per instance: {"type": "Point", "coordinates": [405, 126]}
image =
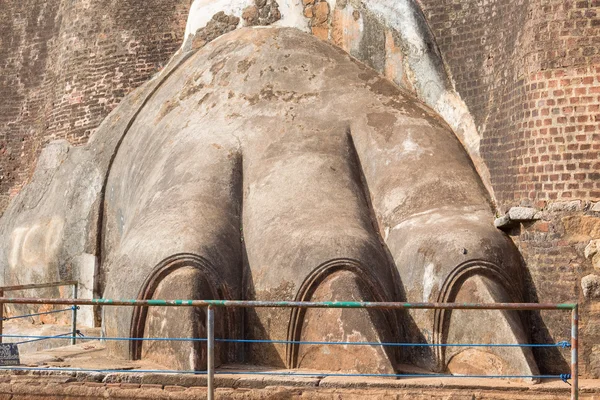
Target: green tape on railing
{"type": "Point", "coordinates": [102, 301]}
{"type": "Point", "coordinates": [566, 306]}
{"type": "Point", "coordinates": [157, 302]}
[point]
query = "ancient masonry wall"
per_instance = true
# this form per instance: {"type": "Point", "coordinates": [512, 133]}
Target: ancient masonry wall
{"type": "Point", "coordinates": [529, 71]}
{"type": "Point", "coordinates": [64, 65]}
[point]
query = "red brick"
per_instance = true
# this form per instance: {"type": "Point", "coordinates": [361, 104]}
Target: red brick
{"type": "Point", "coordinates": [174, 388]}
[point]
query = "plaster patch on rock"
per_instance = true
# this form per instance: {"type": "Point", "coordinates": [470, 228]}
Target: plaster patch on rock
{"type": "Point", "coordinates": [347, 28]}
{"type": "Point", "coordinates": [430, 80]}
{"type": "Point", "coordinates": [455, 112]}
{"type": "Point", "coordinates": [84, 268]}
{"type": "Point", "coordinates": [33, 250]}
{"type": "Point", "coordinates": [394, 60]}
{"type": "Point", "coordinates": [53, 155]}
{"type": "Point", "coordinates": [405, 17]}
{"type": "Point", "coordinates": [193, 357]}
{"type": "Point", "coordinates": [392, 200]}
{"type": "Point", "coordinates": [411, 147]}
{"type": "Point", "coordinates": [291, 15]}
{"type": "Point", "coordinates": [428, 281]}
{"type": "Point", "coordinates": [201, 12]}
{"type": "Point", "coordinates": [438, 217]}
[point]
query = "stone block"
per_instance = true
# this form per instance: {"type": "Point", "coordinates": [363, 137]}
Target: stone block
{"type": "Point", "coordinates": [502, 222]}
{"type": "Point", "coordinates": [565, 206]}
{"type": "Point", "coordinates": [516, 215]}
{"type": "Point", "coordinates": [590, 284]}
{"type": "Point", "coordinates": [592, 251]}
{"type": "Point", "coordinates": [523, 214]}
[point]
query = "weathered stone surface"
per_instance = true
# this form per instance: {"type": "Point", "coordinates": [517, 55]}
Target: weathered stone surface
{"type": "Point", "coordinates": [565, 206]}
{"type": "Point", "coordinates": [365, 30]}
{"type": "Point", "coordinates": [503, 222]}
{"type": "Point", "coordinates": [592, 251]}
{"type": "Point", "coordinates": [590, 284]}
{"type": "Point", "coordinates": [52, 227]}
{"type": "Point", "coordinates": [61, 81]}
{"type": "Point", "coordinates": [523, 214]}
{"type": "Point", "coordinates": [220, 24]}
{"type": "Point", "coordinates": [490, 327]}
{"type": "Point", "coordinates": [237, 174]}
{"type": "Point", "coordinates": [582, 227]}
{"type": "Point", "coordinates": [263, 12]}
{"type": "Point", "coordinates": [516, 215]}
{"type": "Point", "coordinates": [333, 388]}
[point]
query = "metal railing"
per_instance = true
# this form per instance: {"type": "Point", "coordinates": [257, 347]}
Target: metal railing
{"type": "Point", "coordinates": [73, 308]}
{"type": "Point", "coordinates": [211, 305]}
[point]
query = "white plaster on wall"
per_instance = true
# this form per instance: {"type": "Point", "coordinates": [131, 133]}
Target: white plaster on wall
{"type": "Point", "coordinates": [411, 147]}
{"type": "Point", "coordinates": [429, 278]}
{"type": "Point", "coordinates": [402, 16]}
{"type": "Point", "coordinates": [84, 268]}
{"type": "Point", "coordinates": [33, 251]}
{"type": "Point", "coordinates": [202, 11]}
{"type": "Point", "coordinates": [353, 30]}
{"type": "Point", "coordinates": [431, 82]}
{"type": "Point", "coordinates": [292, 15]}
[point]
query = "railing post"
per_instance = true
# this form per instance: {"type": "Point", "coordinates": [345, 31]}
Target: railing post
{"type": "Point", "coordinates": [575, 353]}
{"type": "Point", "coordinates": [210, 352]}
{"type": "Point", "coordinates": [1, 316]}
{"type": "Point", "coordinates": [74, 317]}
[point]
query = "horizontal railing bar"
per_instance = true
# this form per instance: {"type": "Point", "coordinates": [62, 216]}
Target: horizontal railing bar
{"type": "Point", "coordinates": [37, 314]}
{"type": "Point", "coordinates": [37, 337]}
{"type": "Point", "coordinates": [266, 341]}
{"type": "Point", "coordinates": [393, 344]}
{"type": "Point", "coordinates": [294, 304]}
{"type": "Point", "coordinates": [38, 286]}
{"type": "Point", "coordinates": [61, 336]}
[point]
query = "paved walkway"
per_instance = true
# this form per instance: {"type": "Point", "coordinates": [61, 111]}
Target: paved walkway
{"type": "Point", "coordinates": [128, 384]}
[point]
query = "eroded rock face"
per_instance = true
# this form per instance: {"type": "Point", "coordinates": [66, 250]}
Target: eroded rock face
{"type": "Point", "coordinates": [271, 165]}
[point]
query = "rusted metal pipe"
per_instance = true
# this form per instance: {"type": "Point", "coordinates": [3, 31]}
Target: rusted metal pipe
{"type": "Point", "coordinates": [1, 316]}
{"type": "Point", "coordinates": [299, 304]}
{"type": "Point", "coordinates": [74, 317]}
{"type": "Point", "coordinates": [574, 353]}
{"type": "Point", "coordinates": [31, 286]}
{"type": "Point", "coordinates": [38, 286]}
{"type": "Point", "coordinates": [210, 352]}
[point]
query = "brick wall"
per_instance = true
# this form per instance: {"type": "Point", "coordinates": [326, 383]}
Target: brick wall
{"type": "Point", "coordinates": [529, 71]}
{"type": "Point", "coordinates": [64, 65]}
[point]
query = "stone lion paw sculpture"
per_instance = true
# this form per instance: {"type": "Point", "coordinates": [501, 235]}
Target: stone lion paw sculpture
{"type": "Point", "coordinates": [270, 165]}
